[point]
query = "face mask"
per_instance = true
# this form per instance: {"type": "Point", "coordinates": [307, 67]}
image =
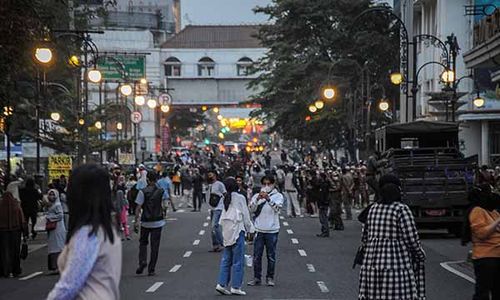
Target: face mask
{"type": "Point", "coordinates": [267, 188]}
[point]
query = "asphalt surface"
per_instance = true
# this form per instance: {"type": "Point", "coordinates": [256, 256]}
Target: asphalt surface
{"type": "Point", "coordinates": [308, 267]}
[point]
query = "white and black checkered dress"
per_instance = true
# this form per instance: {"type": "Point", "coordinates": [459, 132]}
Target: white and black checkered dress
{"type": "Point", "coordinates": [393, 265]}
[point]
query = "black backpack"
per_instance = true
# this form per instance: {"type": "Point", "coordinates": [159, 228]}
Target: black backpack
{"type": "Point", "coordinates": [151, 208]}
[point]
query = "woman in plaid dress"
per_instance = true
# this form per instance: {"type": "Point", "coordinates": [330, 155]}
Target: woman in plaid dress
{"type": "Point", "coordinates": [393, 263]}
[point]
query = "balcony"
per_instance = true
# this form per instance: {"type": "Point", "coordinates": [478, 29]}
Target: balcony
{"type": "Point", "coordinates": [486, 50]}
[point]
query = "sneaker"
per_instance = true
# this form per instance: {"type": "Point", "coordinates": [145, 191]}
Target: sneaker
{"type": "Point", "coordinates": [254, 282]}
{"type": "Point", "coordinates": [222, 290]}
{"type": "Point", "coordinates": [270, 282]}
{"type": "Point", "coordinates": [140, 270]}
{"type": "Point", "coordinates": [238, 292]}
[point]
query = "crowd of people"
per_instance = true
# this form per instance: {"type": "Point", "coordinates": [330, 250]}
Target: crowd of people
{"type": "Point", "coordinates": [87, 219]}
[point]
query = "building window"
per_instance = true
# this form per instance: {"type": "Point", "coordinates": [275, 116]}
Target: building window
{"type": "Point", "coordinates": [206, 67]}
{"type": "Point", "coordinates": [172, 67]}
{"type": "Point", "coordinates": [244, 66]}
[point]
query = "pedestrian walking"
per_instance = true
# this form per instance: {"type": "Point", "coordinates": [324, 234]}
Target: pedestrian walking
{"type": "Point", "coordinates": [235, 221]}
{"type": "Point", "coordinates": [335, 216]}
{"type": "Point", "coordinates": [291, 188]}
{"type": "Point", "coordinates": [90, 263]}
{"type": "Point", "coordinates": [166, 185]}
{"type": "Point", "coordinates": [30, 203]}
{"type": "Point", "coordinates": [372, 172]}
{"type": "Point", "coordinates": [187, 186]}
{"type": "Point", "coordinates": [323, 205]}
{"type": "Point", "coordinates": [197, 190]}
{"type": "Point", "coordinates": [283, 156]}
{"type": "Point", "coordinates": [12, 227]}
{"type": "Point", "coordinates": [176, 180]}
{"type": "Point", "coordinates": [215, 194]}
{"type": "Point", "coordinates": [149, 210]}
{"type": "Point", "coordinates": [142, 177]}
{"type": "Point", "coordinates": [132, 191]}
{"type": "Point", "coordinates": [56, 230]}
{"type": "Point", "coordinates": [266, 207]}
{"type": "Point", "coordinates": [392, 267]}
{"type": "Point", "coordinates": [347, 184]}
{"type": "Point", "coordinates": [483, 229]}
{"type": "Point", "coordinates": [121, 205]}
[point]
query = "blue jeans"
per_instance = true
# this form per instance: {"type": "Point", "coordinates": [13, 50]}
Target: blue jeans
{"type": "Point", "coordinates": [232, 264]}
{"type": "Point", "coordinates": [216, 230]}
{"type": "Point", "coordinates": [269, 240]}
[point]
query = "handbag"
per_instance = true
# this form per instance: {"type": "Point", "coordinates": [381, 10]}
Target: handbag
{"type": "Point", "coordinates": [214, 200]}
{"type": "Point", "coordinates": [50, 225]}
{"type": "Point", "coordinates": [24, 251]}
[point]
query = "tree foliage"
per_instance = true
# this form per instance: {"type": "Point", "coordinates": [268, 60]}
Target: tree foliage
{"type": "Point", "coordinates": [312, 42]}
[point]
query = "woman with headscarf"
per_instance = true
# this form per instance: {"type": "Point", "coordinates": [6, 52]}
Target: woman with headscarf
{"type": "Point", "coordinates": [235, 221]}
{"type": "Point", "coordinates": [392, 266]}
{"type": "Point", "coordinates": [483, 229]}
{"type": "Point", "coordinates": [56, 235]}
{"type": "Point", "coordinates": [12, 226]}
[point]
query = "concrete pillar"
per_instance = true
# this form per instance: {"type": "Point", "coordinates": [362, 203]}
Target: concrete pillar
{"type": "Point", "coordinates": [485, 134]}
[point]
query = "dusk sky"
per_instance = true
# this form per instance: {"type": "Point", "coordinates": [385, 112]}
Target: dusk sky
{"type": "Point", "coordinates": [221, 11]}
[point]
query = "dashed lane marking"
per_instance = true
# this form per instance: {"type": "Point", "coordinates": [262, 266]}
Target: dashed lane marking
{"type": "Point", "coordinates": [322, 286]}
{"type": "Point", "coordinates": [285, 223]}
{"type": "Point", "coordinates": [446, 266]}
{"type": "Point", "coordinates": [282, 218]}
{"type": "Point", "coordinates": [154, 287]}
{"type": "Point", "coordinates": [205, 224]}
{"type": "Point", "coordinates": [32, 275]}
{"type": "Point", "coordinates": [295, 241]}
{"type": "Point", "coordinates": [171, 219]}
{"type": "Point", "coordinates": [175, 268]}
{"type": "Point", "coordinates": [196, 242]}
{"type": "Point", "coordinates": [202, 232]}
{"type": "Point", "coordinates": [302, 252]}
{"type": "Point", "coordinates": [188, 253]}
{"type": "Point", "coordinates": [289, 231]}
{"type": "Point", "coordinates": [208, 218]}
{"type": "Point", "coordinates": [181, 210]}
{"type": "Point", "coordinates": [311, 268]}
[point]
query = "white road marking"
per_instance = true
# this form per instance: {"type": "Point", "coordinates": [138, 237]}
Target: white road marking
{"type": "Point", "coordinates": [31, 276]}
{"type": "Point", "coordinates": [171, 219]}
{"type": "Point", "coordinates": [196, 242]}
{"type": "Point", "coordinates": [322, 286]}
{"type": "Point", "coordinates": [154, 287]}
{"type": "Point", "coordinates": [202, 232]}
{"type": "Point", "coordinates": [175, 268]}
{"type": "Point", "coordinates": [34, 247]}
{"type": "Point", "coordinates": [289, 231]}
{"type": "Point", "coordinates": [285, 223]}
{"type": "Point", "coordinates": [311, 268]}
{"type": "Point", "coordinates": [188, 253]}
{"type": "Point", "coordinates": [181, 210]}
{"type": "Point", "coordinates": [302, 252]}
{"type": "Point", "coordinates": [295, 241]}
{"type": "Point", "coordinates": [208, 218]}
{"type": "Point", "coordinates": [282, 218]}
{"type": "Point", "coordinates": [446, 266]}
{"type": "Point", "coordinates": [205, 224]}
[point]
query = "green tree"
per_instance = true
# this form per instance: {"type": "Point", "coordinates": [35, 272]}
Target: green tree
{"type": "Point", "coordinates": [310, 41]}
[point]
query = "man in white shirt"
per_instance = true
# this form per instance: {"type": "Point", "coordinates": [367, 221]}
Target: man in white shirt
{"type": "Point", "coordinates": [266, 206]}
{"type": "Point", "coordinates": [216, 189]}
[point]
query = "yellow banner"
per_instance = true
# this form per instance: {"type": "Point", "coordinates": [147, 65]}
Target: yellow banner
{"type": "Point", "coordinates": [59, 165]}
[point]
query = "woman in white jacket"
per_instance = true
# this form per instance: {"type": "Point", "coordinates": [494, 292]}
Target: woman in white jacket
{"type": "Point", "coordinates": [235, 221]}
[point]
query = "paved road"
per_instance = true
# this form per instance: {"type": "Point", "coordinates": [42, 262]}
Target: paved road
{"type": "Point", "coordinates": [308, 267]}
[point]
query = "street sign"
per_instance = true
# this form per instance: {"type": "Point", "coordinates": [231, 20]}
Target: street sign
{"type": "Point", "coordinates": [114, 67]}
{"type": "Point", "coordinates": [165, 98]}
{"type": "Point", "coordinates": [136, 117]}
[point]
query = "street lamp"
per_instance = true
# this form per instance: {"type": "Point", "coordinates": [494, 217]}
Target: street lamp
{"type": "Point", "coordinates": [216, 110]}
{"type": "Point", "coordinates": [152, 103]}
{"type": "Point", "coordinates": [165, 108]}
{"type": "Point", "coordinates": [119, 126]}
{"type": "Point", "coordinates": [98, 125]}
{"type": "Point", "coordinates": [312, 108]}
{"type": "Point", "coordinates": [448, 76]}
{"type": "Point", "coordinates": [139, 100]}
{"type": "Point", "coordinates": [221, 135]}
{"type": "Point", "coordinates": [478, 101]}
{"type": "Point", "coordinates": [126, 89]}
{"type": "Point", "coordinates": [383, 105]}
{"type": "Point", "coordinates": [204, 108]}
{"type": "Point", "coordinates": [396, 78]}
{"type": "Point", "coordinates": [74, 61]}
{"type": "Point", "coordinates": [81, 121]}
{"type": "Point", "coordinates": [143, 81]}
{"type": "Point", "coordinates": [43, 55]}
{"type": "Point", "coordinates": [319, 104]}
{"type": "Point", "coordinates": [94, 75]}
{"type": "Point", "coordinates": [55, 116]}
{"type": "Point", "coordinates": [328, 93]}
